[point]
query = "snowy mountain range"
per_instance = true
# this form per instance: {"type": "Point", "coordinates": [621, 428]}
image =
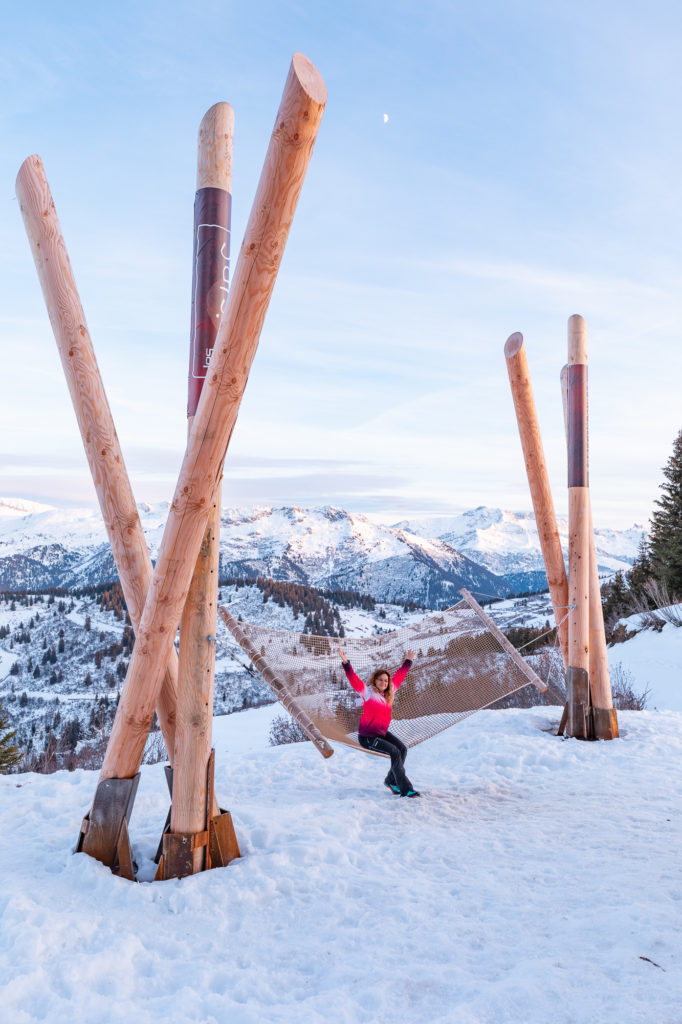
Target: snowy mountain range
{"type": "Point", "coordinates": [507, 543]}
{"type": "Point", "coordinates": [490, 551]}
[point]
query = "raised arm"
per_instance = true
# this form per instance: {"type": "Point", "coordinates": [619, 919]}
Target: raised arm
{"type": "Point", "coordinates": [399, 677]}
{"type": "Point", "coordinates": [352, 677]}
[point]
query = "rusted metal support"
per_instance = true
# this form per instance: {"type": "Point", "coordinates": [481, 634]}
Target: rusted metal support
{"type": "Point", "coordinates": [579, 722]}
{"type": "Point", "coordinates": [106, 825]}
{"type": "Point", "coordinates": [218, 840]}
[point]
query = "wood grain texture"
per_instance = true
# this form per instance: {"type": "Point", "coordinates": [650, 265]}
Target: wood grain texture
{"type": "Point", "coordinates": [95, 421]}
{"type": "Point", "coordinates": [214, 148]}
{"type": "Point", "coordinates": [577, 340]}
{"type": "Point", "coordinates": [599, 673]}
{"type": "Point", "coordinates": [196, 678]}
{"type": "Point", "coordinates": [196, 672]}
{"type": "Point", "coordinates": [600, 676]}
{"type": "Point", "coordinates": [272, 213]}
{"type": "Point", "coordinates": [538, 482]}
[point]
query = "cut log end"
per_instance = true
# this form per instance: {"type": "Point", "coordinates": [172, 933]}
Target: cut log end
{"type": "Point", "coordinates": [31, 166]}
{"type": "Point", "coordinates": [513, 345]}
{"type": "Point", "coordinates": [310, 79]}
{"type": "Point", "coordinates": [214, 153]}
{"type": "Point", "coordinates": [220, 115]}
{"type": "Point", "coordinates": [577, 339]}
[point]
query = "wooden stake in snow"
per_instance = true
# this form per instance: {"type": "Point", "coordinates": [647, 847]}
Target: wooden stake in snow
{"type": "Point", "coordinates": [604, 716]}
{"type": "Point", "coordinates": [538, 482]}
{"type": "Point", "coordinates": [95, 421]}
{"type": "Point", "coordinates": [577, 676]}
{"type": "Point", "coordinates": [286, 161]}
{"type": "Point", "coordinates": [198, 625]}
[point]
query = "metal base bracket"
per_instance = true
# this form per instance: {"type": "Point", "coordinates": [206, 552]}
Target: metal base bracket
{"type": "Point", "coordinates": [104, 831]}
{"type": "Point", "coordinates": [605, 723]}
{"type": "Point", "coordinates": [175, 855]}
{"type": "Point", "coordinates": [579, 723]}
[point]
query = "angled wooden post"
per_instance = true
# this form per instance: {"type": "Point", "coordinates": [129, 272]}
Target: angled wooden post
{"type": "Point", "coordinates": [277, 686]}
{"type": "Point", "coordinates": [210, 281]}
{"type": "Point", "coordinates": [286, 161]}
{"type": "Point", "coordinates": [102, 448]}
{"type": "Point", "coordinates": [538, 482]}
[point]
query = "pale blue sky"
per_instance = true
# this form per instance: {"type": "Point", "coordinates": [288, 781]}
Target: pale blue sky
{"type": "Point", "coordinates": [530, 169]}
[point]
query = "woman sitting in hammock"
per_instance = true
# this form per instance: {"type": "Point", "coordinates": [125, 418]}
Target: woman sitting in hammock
{"type": "Point", "coordinates": [377, 700]}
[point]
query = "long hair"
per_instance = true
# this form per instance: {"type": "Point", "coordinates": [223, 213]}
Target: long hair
{"type": "Point", "coordinates": [389, 693]}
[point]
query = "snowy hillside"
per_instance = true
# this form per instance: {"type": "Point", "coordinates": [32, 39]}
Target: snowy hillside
{"type": "Point", "coordinates": [63, 659]}
{"type": "Point", "coordinates": [653, 660]}
{"type": "Point", "coordinates": [536, 880]}
{"type": "Point", "coordinates": [507, 543]}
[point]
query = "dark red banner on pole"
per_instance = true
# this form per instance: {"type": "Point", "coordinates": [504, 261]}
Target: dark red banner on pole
{"type": "Point", "coordinates": [210, 282]}
{"type": "Point", "coordinates": [577, 426]}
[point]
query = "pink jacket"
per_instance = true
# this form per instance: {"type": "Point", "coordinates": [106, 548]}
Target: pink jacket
{"type": "Point", "coordinates": [376, 713]}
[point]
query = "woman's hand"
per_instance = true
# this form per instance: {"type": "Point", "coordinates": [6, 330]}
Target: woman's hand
{"type": "Point", "coordinates": [341, 654]}
{"type": "Point", "coordinates": [410, 655]}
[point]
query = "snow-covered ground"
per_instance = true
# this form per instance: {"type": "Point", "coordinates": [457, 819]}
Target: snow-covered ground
{"type": "Point", "coordinates": [536, 880]}
{"type": "Point", "coordinates": [654, 660]}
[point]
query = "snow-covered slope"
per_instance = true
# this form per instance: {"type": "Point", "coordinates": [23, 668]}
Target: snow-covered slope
{"type": "Point", "coordinates": [507, 543]}
{"type": "Point", "coordinates": [536, 880]}
{"type": "Point", "coordinates": [652, 661]}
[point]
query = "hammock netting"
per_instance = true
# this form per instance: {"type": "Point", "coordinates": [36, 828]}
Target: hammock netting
{"type": "Point", "coordinates": [462, 663]}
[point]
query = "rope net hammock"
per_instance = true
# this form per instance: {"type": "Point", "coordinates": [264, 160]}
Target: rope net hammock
{"type": "Point", "coordinates": [462, 663]}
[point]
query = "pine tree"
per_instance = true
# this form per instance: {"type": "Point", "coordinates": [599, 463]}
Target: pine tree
{"type": "Point", "coordinates": [665, 537]}
{"type": "Point", "coordinates": [10, 755]}
{"type": "Point", "coordinates": [614, 598]}
{"type": "Point", "coordinates": [641, 572]}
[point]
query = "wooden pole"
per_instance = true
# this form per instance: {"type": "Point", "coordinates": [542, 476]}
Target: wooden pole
{"type": "Point", "coordinates": [579, 722]}
{"type": "Point", "coordinates": [102, 448]}
{"type": "Point", "coordinates": [538, 482]}
{"type": "Point", "coordinates": [605, 718]}
{"type": "Point", "coordinates": [506, 644]}
{"type": "Point", "coordinates": [272, 213]}
{"type": "Point", "coordinates": [277, 686]}
{"type": "Point", "coordinates": [211, 254]}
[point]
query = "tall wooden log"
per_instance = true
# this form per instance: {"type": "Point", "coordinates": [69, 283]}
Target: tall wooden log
{"type": "Point", "coordinates": [210, 281]}
{"type": "Point", "coordinates": [95, 421]}
{"type": "Point", "coordinates": [272, 213]}
{"type": "Point", "coordinates": [605, 718]}
{"type": "Point", "coordinates": [538, 482]}
{"type": "Point", "coordinates": [579, 520]}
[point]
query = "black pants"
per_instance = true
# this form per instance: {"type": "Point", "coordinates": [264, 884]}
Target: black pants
{"type": "Point", "coordinates": [397, 751]}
